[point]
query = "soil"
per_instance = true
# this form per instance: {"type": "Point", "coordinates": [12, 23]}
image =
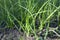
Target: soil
{"type": "Point", "coordinates": [10, 34]}
{"type": "Point", "coordinates": [14, 34]}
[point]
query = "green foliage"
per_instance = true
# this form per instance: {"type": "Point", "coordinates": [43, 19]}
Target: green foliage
{"type": "Point", "coordinates": [29, 14]}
